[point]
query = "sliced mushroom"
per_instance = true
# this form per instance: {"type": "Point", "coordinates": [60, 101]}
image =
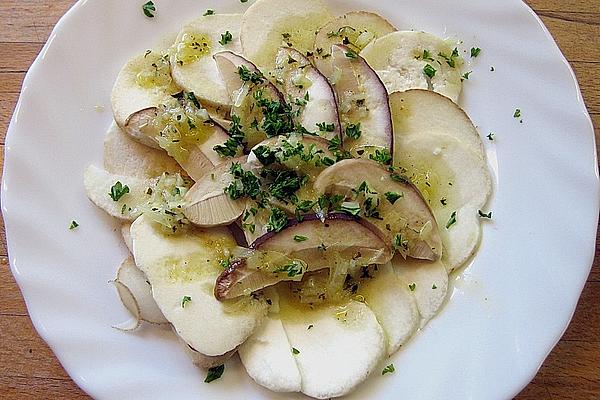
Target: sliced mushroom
{"type": "Point", "coordinates": [270, 24]}
{"type": "Point", "coordinates": [356, 29]}
{"type": "Point", "coordinates": [207, 204]}
{"type": "Point", "coordinates": [309, 245]}
{"type": "Point", "coordinates": [308, 92]}
{"type": "Point", "coordinates": [404, 217]}
{"type": "Point", "coordinates": [182, 270]}
{"type": "Point", "coordinates": [200, 157]}
{"type": "Point", "coordinates": [363, 103]}
{"type": "Point", "coordinates": [248, 89]}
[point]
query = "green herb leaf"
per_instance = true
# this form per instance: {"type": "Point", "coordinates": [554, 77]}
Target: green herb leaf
{"type": "Point", "coordinates": [350, 207]}
{"type": "Point", "coordinates": [185, 300]}
{"type": "Point", "coordinates": [299, 238]}
{"type": "Point", "coordinates": [243, 1]}
{"type": "Point", "coordinates": [434, 286]}
{"type": "Point", "coordinates": [225, 38]}
{"type": "Point", "coordinates": [426, 56]}
{"type": "Point", "coordinates": [452, 220]}
{"type": "Point", "coordinates": [444, 201]}
{"type": "Point", "coordinates": [246, 75]}
{"type": "Point", "coordinates": [351, 54]}
{"type": "Point", "coordinates": [475, 51]}
{"type": "Point", "coordinates": [192, 97]}
{"type": "Point", "coordinates": [209, 12]}
{"type": "Point", "coordinates": [310, 327]}
{"type": "Point", "coordinates": [325, 127]}
{"type": "Point", "coordinates": [277, 220]}
{"type": "Point", "coordinates": [295, 351]}
{"type": "Point", "coordinates": [353, 131]}
{"type": "Point", "coordinates": [429, 71]}
{"type": "Point", "coordinates": [466, 75]}
{"type": "Point", "coordinates": [292, 270]}
{"type": "Point", "coordinates": [483, 215]}
{"type": "Point", "coordinates": [382, 156]}
{"type": "Point", "coordinates": [73, 225]}
{"type": "Point", "coordinates": [412, 286]}
{"type": "Point", "coordinates": [264, 154]}
{"type": "Point", "coordinates": [491, 136]}
{"type": "Point", "coordinates": [214, 373]}
{"type": "Point", "coordinates": [149, 9]}
{"type": "Point", "coordinates": [517, 113]}
{"type": "Point", "coordinates": [388, 370]}
{"type": "Point", "coordinates": [392, 197]}
{"type": "Point", "coordinates": [118, 190]}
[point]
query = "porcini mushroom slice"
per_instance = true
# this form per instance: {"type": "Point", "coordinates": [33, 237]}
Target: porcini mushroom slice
{"type": "Point", "coordinates": [255, 100]}
{"type": "Point", "coordinates": [393, 304]}
{"type": "Point", "coordinates": [416, 60]}
{"type": "Point", "coordinates": [270, 24]}
{"type": "Point", "coordinates": [309, 245]}
{"type": "Point", "coordinates": [143, 82]}
{"type": "Point", "coordinates": [362, 103]}
{"type": "Point", "coordinates": [356, 29]}
{"type": "Point", "coordinates": [427, 282]}
{"type": "Point", "coordinates": [308, 92]}
{"type": "Point", "coordinates": [125, 203]}
{"type": "Point", "coordinates": [192, 65]}
{"type": "Point", "coordinates": [182, 270]}
{"type": "Point", "coordinates": [126, 156]}
{"type": "Point", "coordinates": [130, 277]}
{"type": "Point", "coordinates": [268, 358]}
{"type": "Point", "coordinates": [196, 156]}
{"type": "Point", "coordinates": [345, 341]}
{"type": "Point", "coordinates": [405, 219]}
{"type": "Point", "coordinates": [207, 204]}
{"type": "Point", "coordinates": [423, 112]}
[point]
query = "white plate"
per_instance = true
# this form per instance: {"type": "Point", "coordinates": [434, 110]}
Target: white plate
{"type": "Point", "coordinates": [508, 308]}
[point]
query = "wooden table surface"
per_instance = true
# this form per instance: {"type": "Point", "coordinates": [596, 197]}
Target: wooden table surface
{"type": "Point", "coordinates": [29, 370]}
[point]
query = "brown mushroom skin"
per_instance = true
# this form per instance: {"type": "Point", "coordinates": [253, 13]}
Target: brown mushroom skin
{"type": "Point", "coordinates": [337, 237]}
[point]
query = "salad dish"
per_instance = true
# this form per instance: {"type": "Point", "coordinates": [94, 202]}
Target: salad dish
{"type": "Point", "coordinates": [294, 187]}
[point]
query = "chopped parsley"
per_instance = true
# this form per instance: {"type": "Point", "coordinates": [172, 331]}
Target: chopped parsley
{"type": "Point", "coordinates": [192, 97]}
{"type": "Point", "coordinates": [382, 156]}
{"type": "Point", "coordinates": [295, 351]}
{"type": "Point", "coordinates": [517, 113]}
{"type": "Point", "coordinates": [353, 131]}
{"type": "Point", "coordinates": [484, 215]}
{"type": "Point", "coordinates": [118, 190]}
{"type": "Point", "coordinates": [248, 76]}
{"type": "Point", "coordinates": [209, 12]}
{"type": "Point", "coordinates": [292, 270]}
{"type": "Point", "coordinates": [285, 183]}
{"type": "Point", "coordinates": [491, 136]}
{"type": "Point", "coordinates": [149, 9]}
{"type": "Point", "coordinates": [452, 220]}
{"type": "Point", "coordinates": [300, 238]}
{"type": "Point", "coordinates": [73, 225]}
{"type": "Point", "coordinates": [325, 127]}
{"type": "Point", "coordinates": [429, 71]}
{"type": "Point", "coordinates": [264, 154]}
{"type": "Point", "coordinates": [466, 75]}
{"type": "Point", "coordinates": [277, 220]}
{"type": "Point", "coordinates": [310, 327]}
{"type": "Point", "coordinates": [185, 300]}
{"type": "Point", "coordinates": [214, 373]}
{"type": "Point", "coordinates": [388, 369]}
{"type": "Point", "coordinates": [399, 243]}
{"type": "Point", "coordinates": [475, 51]}
{"type": "Point", "coordinates": [351, 54]}
{"type": "Point", "coordinates": [426, 56]}
{"type": "Point", "coordinates": [434, 286]}
{"type": "Point", "coordinates": [245, 183]}
{"type": "Point", "coordinates": [350, 207]}
{"type": "Point", "coordinates": [451, 59]}
{"type": "Point", "coordinates": [412, 286]}
{"type": "Point", "coordinates": [225, 38]}
{"type": "Point", "coordinates": [236, 139]}
{"type": "Point", "coordinates": [444, 201]}
{"type": "Point", "coordinates": [243, 1]}
{"type": "Point", "coordinates": [392, 197]}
